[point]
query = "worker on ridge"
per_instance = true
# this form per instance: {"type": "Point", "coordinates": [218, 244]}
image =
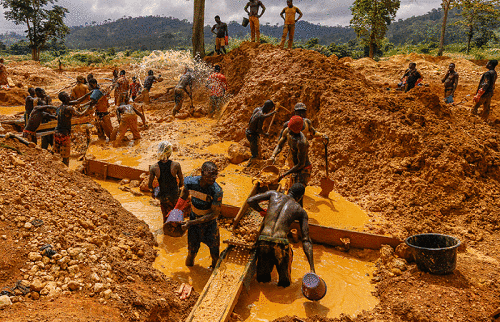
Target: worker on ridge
{"type": "Point", "coordinates": [450, 81]}
{"type": "Point", "coordinates": [220, 36]}
{"type": "Point", "coordinates": [253, 18]}
{"type": "Point", "coordinates": [185, 81]}
{"type": "Point", "coordinates": [217, 84]}
{"type": "Point", "coordinates": [255, 127]}
{"type": "Point", "coordinates": [412, 77]}
{"type": "Point", "coordinates": [170, 179]}
{"type": "Point", "coordinates": [62, 136]}
{"type": "Point", "coordinates": [273, 246]}
{"type": "Point", "coordinates": [299, 148]}
{"type": "Point", "coordinates": [206, 200]}
{"type": "Point", "coordinates": [288, 15]}
{"type": "Point", "coordinates": [127, 118]}
{"type": "Point", "coordinates": [485, 90]}
{"type": "Point", "coordinates": [309, 131]}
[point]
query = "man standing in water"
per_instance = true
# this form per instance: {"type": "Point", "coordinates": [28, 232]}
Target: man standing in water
{"type": "Point", "coordinates": [185, 81]}
{"type": "Point", "coordinates": [299, 147]}
{"type": "Point", "coordinates": [255, 127]}
{"type": "Point", "coordinates": [288, 14]}
{"type": "Point", "coordinates": [253, 17]}
{"type": "Point", "coordinates": [102, 118]}
{"type": "Point", "coordinates": [273, 245]}
{"type": "Point", "coordinates": [62, 136]}
{"type": "Point", "coordinates": [170, 179]}
{"type": "Point", "coordinates": [218, 85]}
{"type": "Point", "coordinates": [450, 81]}
{"type": "Point", "coordinates": [127, 118]}
{"type": "Point", "coordinates": [148, 83]}
{"type": "Point", "coordinates": [485, 90]}
{"type": "Point", "coordinates": [206, 201]}
{"type": "Point", "coordinates": [220, 35]}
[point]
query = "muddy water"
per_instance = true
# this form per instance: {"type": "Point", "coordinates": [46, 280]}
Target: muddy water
{"type": "Point", "coordinates": [11, 110]}
{"type": "Point", "coordinates": [347, 278]}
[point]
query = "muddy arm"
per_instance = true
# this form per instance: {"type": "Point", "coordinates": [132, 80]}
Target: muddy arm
{"type": "Point", "coordinates": [306, 240]}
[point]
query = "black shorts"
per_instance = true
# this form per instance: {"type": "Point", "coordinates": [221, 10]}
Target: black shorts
{"type": "Point", "coordinates": [270, 254]}
{"type": "Point", "coordinates": [207, 233]}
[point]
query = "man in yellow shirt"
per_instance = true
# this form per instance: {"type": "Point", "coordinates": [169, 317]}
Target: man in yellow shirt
{"type": "Point", "coordinates": [289, 28]}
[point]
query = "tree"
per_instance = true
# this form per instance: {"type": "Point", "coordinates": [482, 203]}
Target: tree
{"type": "Point", "coordinates": [479, 17]}
{"type": "Point", "coordinates": [370, 20]}
{"type": "Point", "coordinates": [198, 38]}
{"type": "Point", "coordinates": [43, 23]}
{"type": "Point", "coordinates": [446, 5]}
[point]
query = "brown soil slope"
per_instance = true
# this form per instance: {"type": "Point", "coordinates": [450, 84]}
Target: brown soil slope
{"type": "Point", "coordinates": [104, 254]}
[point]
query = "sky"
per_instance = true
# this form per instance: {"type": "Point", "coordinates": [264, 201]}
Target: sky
{"type": "Point", "coordinates": [324, 12]}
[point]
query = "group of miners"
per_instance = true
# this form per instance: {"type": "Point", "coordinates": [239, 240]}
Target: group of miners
{"type": "Point", "coordinates": [484, 92]}
{"type": "Point", "coordinates": [288, 14]}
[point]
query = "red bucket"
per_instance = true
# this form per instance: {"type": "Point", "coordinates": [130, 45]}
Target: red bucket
{"type": "Point", "coordinates": [313, 287]}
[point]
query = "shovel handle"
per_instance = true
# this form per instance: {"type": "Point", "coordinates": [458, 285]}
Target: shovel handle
{"type": "Point", "coordinates": [326, 157]}
{"type": "Point", "coordinates": [271, 124]}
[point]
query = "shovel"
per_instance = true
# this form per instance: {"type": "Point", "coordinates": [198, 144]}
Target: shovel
{"type": "Point", "coordinates": [325, 183]}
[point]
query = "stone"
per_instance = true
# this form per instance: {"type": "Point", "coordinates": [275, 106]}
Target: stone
{"type": "Point", "coordinates": [238, 153]}
{"type": "Point", "coordinates": [95, 277]}
{"type": "Point", "coordinates": [124, 182]}
{"type": "Point", "coordinates": [396, 271]}
{"type": "Point", "coordinates": [35, 296]}
{"type": "Point", "coordinates": [134, 184]}
{"type": "Point", "coordinates": [98, 287]}
{"type": "Point", "coordinates": [45, 260]}
{"type": "Point", "coordinates": [28, 225]}
{"type": "Point", "coordinates": [405, 252]}
{"type": "Point", "coordinates": [399, 263]}
{"type": "Point", "coordinates": [73, 252]}
{"type": "Point", "coordinates": [37, 285]}
{"type": "Point", "coordinates": [73, 285]}
{"type": "Point", "coordinates": [34, 256]}
{"type": "Point", "coordinates": [17, 162]}
{"type": "Point", "coordinates": [50, 289]}
{"type": "Point", "coordinates": [107, 293]}
{"type": "Point", "coordinates": [5, 301]}
{"type": "Point", "coordinates": [73, 269]}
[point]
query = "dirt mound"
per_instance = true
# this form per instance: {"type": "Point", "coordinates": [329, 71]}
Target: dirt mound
{"type": "Point", "coordinates": [102, 256]}
{"type": "Point", "coordinates": [12, 97]}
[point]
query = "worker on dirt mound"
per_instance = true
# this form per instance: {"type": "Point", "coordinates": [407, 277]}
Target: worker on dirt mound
{"type": "Point", "coordinates": [206, 200]}
{"type": "Point", "coordinates": [127, 117]}
{"type": "Point", "coordinates": [37, 115]}
{"type": "Point", "coordinates": [148, 83]}
{"type": "Point", "coordinates": [99, 99]}
{"type": "Point", "coordinates": [135, 88]}
{"type": "Point", "coordinates": [221, 36]}
{"type": "Point", "coordinates": [80, 89]}
{"type": "Point", "coordinates": [3, 74]}
{"type": "Point", "coordinates": [288, 15]}
{"type": "Point", "coordinates": [273, 246]}
{"type": "Point", "coordinates": [253, 18]}
{"type": "Point", "coordinates": [62, 136]}
{"type": "Point", "coordinates": [450, 81]}
{"type": "Point", "coordinates": [309, 131]}
{"type": "Point", "coordinates": [168, 173]}
{"type": "Point", "coordinates": [485, 90]}
{"type": "Point", "coordinates": [122, 88]}
{"type": "Point", "coordinates": [299, 148]}
{"type": "Point", "coordinates": [28, 104]}
{"type": "Point", "coordinates": [185, 82]}
{"type": "Point", "coordinates": [217, 84]}
{"type": "Point", "coordinates": [255, 127]}
{"type": "Point", "coordinates": [412, 77]}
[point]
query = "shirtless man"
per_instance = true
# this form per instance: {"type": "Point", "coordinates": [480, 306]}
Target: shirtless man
{"type": "Point", "coordinates": [273, 245]}
{"type": "Point", "coordinates": [253, 17]}
{"type": "Point", "coordinates": [170, 179]}
{"type": "Point", "coordinates": [255, 127]}
{"type": "Point", "coordinates": [309, 131]}
{"type": "Point", "coordinates": [288, 15]}
{"type": "Point", "coordinates": [413, 77]}
{"type": "Point", "coordinates": [37, 115]}
{"type": "Point", "coordinates": [148, 83]}
{"type": "Point", "coordinates": [185, 81]}
{"type": "Point", "coordinates": [299, 147]}
{"type": "Point", "coordinates": [485, 90]}
{"type": "Point", "coordinates": [62, 136]}
{"type": "Point", "coordinates": [80, 89]}
{"type": "Point", "coordinates": [220, 35]}
{"type": "Point", "coordinates": [43, 99]}
{"type": "Point", "coordinates": [450, 81]}
{"type": "Point", "coordinates": [122, 88]}
{"type": "Point", "coordinates": [28, 104]}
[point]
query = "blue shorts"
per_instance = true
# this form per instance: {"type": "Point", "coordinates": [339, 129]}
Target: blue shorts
{"type": "Point", "coordinates": [207, 233]}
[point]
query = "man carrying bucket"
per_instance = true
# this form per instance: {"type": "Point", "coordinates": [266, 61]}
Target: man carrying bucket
{"type": "Point", "coordinates": [253, 18]}
{"type": "Point", "coordinates": [273, 245]}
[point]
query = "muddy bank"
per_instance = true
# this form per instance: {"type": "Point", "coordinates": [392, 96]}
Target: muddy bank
{"type": "Point", "coordinates": [103, 254]}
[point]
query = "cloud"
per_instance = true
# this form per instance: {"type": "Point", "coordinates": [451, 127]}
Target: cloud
{"type": "Point", "coordinates": [324, 12]}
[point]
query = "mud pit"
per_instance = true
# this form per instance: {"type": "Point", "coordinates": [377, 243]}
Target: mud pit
{"type": "Point", "coordinates": [409, 163]}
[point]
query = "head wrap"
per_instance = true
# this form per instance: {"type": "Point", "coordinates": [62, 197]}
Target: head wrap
{"type": "Point", "coordinates": [164, 150]}
{"type": "Point", "coordinates": [296, 124]}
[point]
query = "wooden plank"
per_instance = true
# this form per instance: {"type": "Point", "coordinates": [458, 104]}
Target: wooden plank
{"type": "Point", "coordinates": [95, 167]}
{"type": "Point", "coordinates": [245, 205]}
{"type": "Point", "coordinates": [52, 124]}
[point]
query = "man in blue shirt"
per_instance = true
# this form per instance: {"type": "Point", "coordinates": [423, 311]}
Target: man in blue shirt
{"type": "Point", "coordinates": [206, 201]}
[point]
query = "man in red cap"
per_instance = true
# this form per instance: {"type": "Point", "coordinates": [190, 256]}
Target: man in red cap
{"type": "Point", "coordinates": [299, 147]}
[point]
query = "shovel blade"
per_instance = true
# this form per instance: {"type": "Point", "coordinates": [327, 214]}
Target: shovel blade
{"type": "Point", "coordinates": [326, 187]}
